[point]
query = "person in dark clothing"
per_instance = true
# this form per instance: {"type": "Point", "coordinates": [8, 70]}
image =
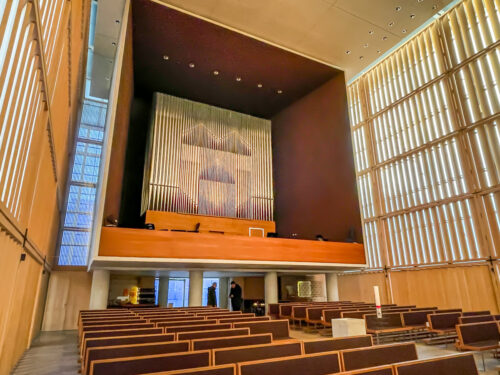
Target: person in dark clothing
{"type": "Point", "coordinates": [235, 296]}
{"type": "Point", "coordinates": [212, 296]}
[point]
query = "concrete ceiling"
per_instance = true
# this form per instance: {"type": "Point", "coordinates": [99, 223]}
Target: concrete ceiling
{"type": "Point", "coordinates": [321, 29]}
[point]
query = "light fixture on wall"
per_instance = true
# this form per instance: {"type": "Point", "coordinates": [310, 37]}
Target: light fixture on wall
{"type": "Point", "coordinates": [191, 65]}
{"type": "Point", "coordinates": [259, 85]}
{"type": "Point", "coordinates": [280, 91]}
{"type": "Point", "coordinates": [165, 57]}
{"type": "Point", "coordinates": [216, 72]}
{"type": "Point", "coordinates": [238, 79]}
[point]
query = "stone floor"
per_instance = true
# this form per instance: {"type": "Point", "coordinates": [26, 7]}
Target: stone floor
{"type": "Point", "coordinates": [56, 353]}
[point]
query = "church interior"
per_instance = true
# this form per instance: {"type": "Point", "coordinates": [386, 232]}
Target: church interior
{"type": "Point", "coordinates": [220, 187]}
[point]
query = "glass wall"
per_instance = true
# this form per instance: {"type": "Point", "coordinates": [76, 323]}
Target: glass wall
{"type": "Point", "coordinates": [426, 137]}
{"type": "Point", "coordinates": [178, 291]}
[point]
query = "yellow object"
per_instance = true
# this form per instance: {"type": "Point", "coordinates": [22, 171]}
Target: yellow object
{"type": "Point", "coordinates": [132, 295]}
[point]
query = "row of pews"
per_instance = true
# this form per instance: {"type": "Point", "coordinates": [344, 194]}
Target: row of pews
{"type": "Point", "coordinates": [472, 330]}
{"type": "Point", "coordinates": [213, 341]}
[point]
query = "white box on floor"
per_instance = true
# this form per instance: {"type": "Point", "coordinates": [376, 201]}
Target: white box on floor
{"type": "Point", "coordinates": [348, 327]}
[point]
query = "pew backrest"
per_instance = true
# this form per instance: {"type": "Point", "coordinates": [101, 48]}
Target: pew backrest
{"type": "Point", "coordinates": [475, 313]}
{"type": "Point", "coordinates": [388, 321]}
{"type": "Point", "coordinates": [238, 320]}
{"type": "Point", "coordinates": [475, 319]}
{"type": "Point", "coordinates": [338, 343]}
{"type": "Point", "coordinates": [443, 321]}
{"type": "Point", "coordinates": [415, 318]}
{"type": "Point", "coordinates": [228, 342]}
{"type": "Point", "coordinates": [311, 364]}
{"type": "Point", "coordinates": [194, 335]}
{"type": "Point", "coordinates": [184, 323]}
{"type": "Point", "coordinates": [461, 364]}
{"type": "Point", "coordinates": [353, 359]}
{"type": "Point", "coordinates": [256, 352]}
{"type": "Point", "coordinates": [484, 334]}
{"type": "Point", "coordinates": [379, 370]}
{"type": "Point", "coordinates": [150, 363]}
{"type": "Point", "coordinates": [134, 350]}
{"type": "Point", "coordinates": [207, 327]}
{"type": "Point", "coordinates": [212, 370]}
{"type": "Point", "coordinates": [278, 328]}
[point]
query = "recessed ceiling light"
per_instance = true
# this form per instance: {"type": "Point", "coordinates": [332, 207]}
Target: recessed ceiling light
{"type": "Point", "coordinates": [259, 85]}
{"type": "Point", "coordinates": [348, 52]}
{"type": "Point", "coordinates": [238, 79]}
{"type": "Point", "coordinates": [398, 8]}
{"type": "Point", "coordinates": [412, 16]}
{"type": "Point", "coordinates": [280, 91]}
{"type": "Point", "coordinates": [420, 1]}
{"type": "Point", "coordinates": [391, 24]}
{"type": "Point", "coordinates": [216, 72]}
{"type": "Point", "coordinates": [365, 45]}
{"type": "Point", "coordinates": [165, 57]}
{"type": "Point", "coordinates": [361, 57]}
{"type": "Point", "coordinates": [371, 32]}
{"type": "Point", "coordinates": [434, 7]}
{"type": "Point", "coordinates": [384, 38]}
{"type": "Point", "coordinates": [107, 78]}
{"type": "Point", "coordinates": [379, 51]}
{"type": "Point", "coordinates": [113, 43]}
{"type": "Point", "coordinates": [117, 21]}
{"type": "Point", "coordinates": [403, 31]}
{"type": "Point", "coordinates": [191, 65]}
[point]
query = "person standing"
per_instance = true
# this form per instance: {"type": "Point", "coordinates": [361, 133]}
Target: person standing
{"type": "Point", "coordinates": [212, 296]}
{"type": "Point", "coordinates": [235, 296]}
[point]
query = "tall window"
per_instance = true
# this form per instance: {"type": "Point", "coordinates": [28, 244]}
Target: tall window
{"type": "Point", "coordinates": [426, 136]}
{"type": "Point", "coordinates": [84, 175]}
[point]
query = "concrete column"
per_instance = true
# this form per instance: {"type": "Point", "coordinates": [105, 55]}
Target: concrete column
{"type": "Point", "coordinates": [223, 292]}
{"type": "Point", "coordinates": [163, 292]}
{"type": "Point", "coordinates": [195, 287]}
{"type": "Point", "coordinates": [100, 290]}
{"type": "Point", "coordinates": [332, 289]}
{"type": "Point", "coordinates": [270, 288]}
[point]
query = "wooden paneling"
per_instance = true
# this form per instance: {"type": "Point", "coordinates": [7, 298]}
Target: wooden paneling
{"type": "Point", "coordinates": [172, 220]}
{"type": "Point", "coordinates": [466, 287]}
{"type": "Point", "coordinates": [68, 293]}
{"type": "Point", "coordinates": [124, 242]}
{"type": "Point", "coordinates": [359, 287]}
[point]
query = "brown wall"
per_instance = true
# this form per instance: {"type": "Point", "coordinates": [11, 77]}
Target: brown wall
{"type": "Point", "coordinates": [313, 166]}
{"type": "Point", "coordinates": [24, 283]}
{"type": "Point", "coordinates": [120, 134]}
{"type": "Point", "coordinates": [467, 287]}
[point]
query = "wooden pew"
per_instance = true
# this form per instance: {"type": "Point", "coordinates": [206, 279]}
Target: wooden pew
{"type": "Point", "coordinates": [462, 364]}
{"type": "Point", "coordinates": [132, 350]}
{"type": "Point", "coordinates": [443, 323]}
{"type": "Point", "coordinates": [379, 370]}
{"type": "Point", "coordinates": [278, 328]}
{"type": "Point", "coordinates": [310, 364]}
{"type": "Point", "coordinates": [475, 319]}
{"type": "Point", "coordinates": [434, 308]}
{"type": "Point", "coordinates": [478, 336]}
{"type": "Point", "coordinates": [474, 313]}
{"type": "Point", "coordinates": [116, 333]}
{"type": "Point", "coordinates": [354, 359]}
{"type": "Point", "coordinates": [207, 327]}
{"type": "Point", "coordinates": [177, 319]}
{"type": "Point", "coordinates": [416, 319]}
{"type": "Point", "coordinates": [195, 335]}
{"type": "Point", "coordinates": [273, 310]}
{"type": "Point", "coordinates": [151, 363]}
{"type": "Point", "coordinates": [356, 314]}
{"type": "Point", "coordinates": [256, 352]}
{"type": "Point", "coordinates": [338, 343]}
{"type": "Point", "coordinates": [239, 320]}
{"type": "Point", "coordinates": [183, 323]}
{"type": "Point", "coordinates": [228, 316]}
{"type": "Point", "coordinates": [228, 342]}
{"type": "Point", "coordinates": [330, 314]}
{"type": "Point", "coordinates": [389, 323]}
{"type": "Point", "coordinates": [126, 340]}
{"type": "Point", "coordinates": [212, 370]}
